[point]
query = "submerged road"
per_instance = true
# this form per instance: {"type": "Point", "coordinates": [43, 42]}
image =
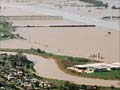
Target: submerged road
{"type": "Point", "coordinates": [49, 69]}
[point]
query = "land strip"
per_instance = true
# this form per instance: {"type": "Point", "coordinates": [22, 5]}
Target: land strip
{"type": "Point", "coordinates": [42, 69]}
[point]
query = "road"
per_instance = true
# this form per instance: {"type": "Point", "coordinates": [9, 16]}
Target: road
{"type": "Point", "coordinates": [49, 69]}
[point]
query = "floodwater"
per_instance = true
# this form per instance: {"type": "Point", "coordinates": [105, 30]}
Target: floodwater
{"type": "Point", "coordinates": [75, 41]}
{"type": "Point", "coordinates": [49, 69]}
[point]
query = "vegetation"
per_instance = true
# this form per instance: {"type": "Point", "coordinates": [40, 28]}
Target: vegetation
{"type": "Point", "coordinates": [66, 85]}
{"type": "Point", "coordinates": [97, 3]}
{"type": "Point", "coordinates": [5, 30]}
{"type": "Point", "coordinates": [67, 61]}
{"type": "Point", "coordinates": [15, 75]}
{"type": "Point", "coordinates": [114, 7]}
{"type": "Point", "coordinates": [114, 74]}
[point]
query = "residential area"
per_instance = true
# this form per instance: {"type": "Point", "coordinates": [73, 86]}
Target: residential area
{"type": "Point", "coordinates": [17, 73]}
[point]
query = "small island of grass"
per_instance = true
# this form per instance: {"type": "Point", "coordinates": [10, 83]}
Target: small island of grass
{"type": "Point", "coordinates": [5, 30]}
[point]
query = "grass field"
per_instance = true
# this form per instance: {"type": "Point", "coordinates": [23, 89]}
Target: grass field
{"type": "Point", "coordinates": [114, 74]}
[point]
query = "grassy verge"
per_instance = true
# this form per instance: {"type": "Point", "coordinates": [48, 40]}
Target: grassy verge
{"type": "Point", "coordinates": [66, 61]}
{"type": "Point", "coordinates": [114, 74]}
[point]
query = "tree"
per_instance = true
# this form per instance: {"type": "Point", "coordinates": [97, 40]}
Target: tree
{"type": "Point", "coordinates": [70, 86]}
{"type": "Point", "coordinates": [39, 50]}
{"type": "Point", "coordinates": [106, 5]}
{"type": "Point", "coordinates": [84, 87]}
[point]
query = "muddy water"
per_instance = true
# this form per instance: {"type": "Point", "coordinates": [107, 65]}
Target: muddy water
{"type": "Point", "coordinates": [48, 68]}
{"type": "Point", "coordinates": [76, 41]}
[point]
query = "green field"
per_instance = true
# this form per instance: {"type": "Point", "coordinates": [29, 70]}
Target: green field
{"type": "Point", "coordinates": [114, 74]}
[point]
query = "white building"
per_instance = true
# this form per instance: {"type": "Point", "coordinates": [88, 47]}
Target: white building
{"type": "Point", "coordinates": [95, 67]}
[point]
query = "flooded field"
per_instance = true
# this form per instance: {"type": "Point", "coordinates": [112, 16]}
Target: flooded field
{"type": "Point", "coordinates": [102, 39]}
{"type": "Point", "coordinates": [76, 41]}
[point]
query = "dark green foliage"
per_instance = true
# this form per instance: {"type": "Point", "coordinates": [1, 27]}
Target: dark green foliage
{"type": "Point", "coordinates": [96, 3]}
{"type": "Point", "coordinates": [114, 74]}
{"type": "Point", "coordinates": [5, 30]}
{"type": "Point", "coordinates": [114, 7]}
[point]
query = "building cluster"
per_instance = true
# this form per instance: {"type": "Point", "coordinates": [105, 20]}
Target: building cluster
{"type": "Point", "coordinates": [95, 67]}
{"type": "Point", "coordinates": [19, 77]}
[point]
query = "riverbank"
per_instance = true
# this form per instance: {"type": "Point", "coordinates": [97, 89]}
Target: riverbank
{"type": "Point", "coordinates": [24, 69]}
{"type": "Point", "coordinates": [67, 61]}
{"type": "Point", "coordinates": [47, 68]}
